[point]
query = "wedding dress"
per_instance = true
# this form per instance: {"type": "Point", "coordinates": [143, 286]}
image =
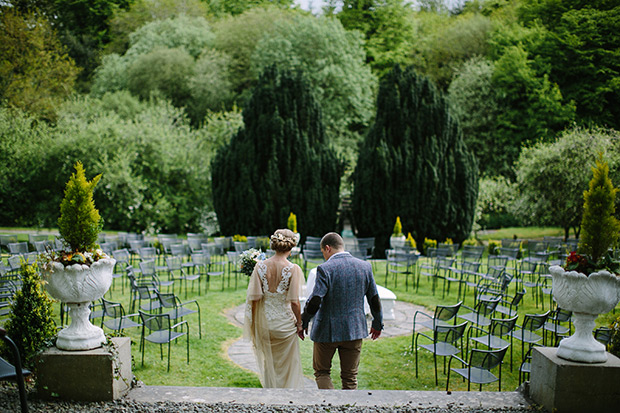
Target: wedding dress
{"type": "Point", "coordinates": [270, 323]}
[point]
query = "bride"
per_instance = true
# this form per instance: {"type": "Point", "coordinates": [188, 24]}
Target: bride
{"type": "Point", "coordinates": [273, 316]}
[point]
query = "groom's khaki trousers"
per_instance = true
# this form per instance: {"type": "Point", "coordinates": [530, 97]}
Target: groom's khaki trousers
{"type": "Point", "coordinates": [349, 354]}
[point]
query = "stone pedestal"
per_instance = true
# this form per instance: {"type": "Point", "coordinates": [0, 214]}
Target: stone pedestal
{"type": "Point", "coordinates": [90, 375]}
{"type": "Point", "coordinates": [567, 386]}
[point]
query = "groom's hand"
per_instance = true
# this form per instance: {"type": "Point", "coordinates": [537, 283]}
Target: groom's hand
{"type": "Point", "coordinates": [374, 334]}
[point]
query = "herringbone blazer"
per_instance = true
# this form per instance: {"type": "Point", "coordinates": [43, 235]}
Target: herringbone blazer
{"type": "Point", "coordinates": [342, 282]}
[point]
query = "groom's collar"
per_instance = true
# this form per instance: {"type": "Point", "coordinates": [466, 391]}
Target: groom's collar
{"type": "Point", "coordinates": [337, 254]}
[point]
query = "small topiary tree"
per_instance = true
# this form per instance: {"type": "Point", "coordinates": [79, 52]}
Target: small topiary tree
{"type": "Point", "coordinates": [80, 223]}
{"type": "Point", "coordinates": [398, 228]}
{"type": "Point", "coordinates": [599, 226]}
{"type": "Point", "coordinates": [291, 223]}
{"type": "Point", "coordinates": [30, 324]}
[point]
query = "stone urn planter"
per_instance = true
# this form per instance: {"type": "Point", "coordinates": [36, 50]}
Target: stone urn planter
{"type": "Point", "coordinates": [77, 286]}
{"type": "Point", "coordinates": [586, 297]}
{"type": "Point", "coordinates": [397, 241]}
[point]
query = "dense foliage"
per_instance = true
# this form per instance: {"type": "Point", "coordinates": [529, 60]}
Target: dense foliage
{"type": "Point", "coordinates": [580, 46]}
{"type": "Point", "coordinates": [279, 162]}
{"type": "Point", "coordinates": [333, 62]}
{"type": "Point", "coordinates": [36, 74]}
{"type": "Point", "coordinates": [494, 207]}
{"type": "Point", "coordinates": [414, 164]}
{"type": "Point", "coordinates": [551, 177]}
{"type": "Point", "coordinates": [517, 72]}
{"type": "Point", "coordinates": [155, 166]}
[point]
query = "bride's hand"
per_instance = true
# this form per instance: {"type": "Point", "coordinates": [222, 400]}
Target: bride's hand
{"type": "Point", "coordinates": [300, 332]}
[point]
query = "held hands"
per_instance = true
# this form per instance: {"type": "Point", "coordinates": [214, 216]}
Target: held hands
{"type": "Point", "coordinates": [374, 334]}
{"type": "Point", "coordinates": [300, 331]}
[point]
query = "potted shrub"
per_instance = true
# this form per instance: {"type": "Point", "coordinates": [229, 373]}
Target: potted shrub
{"type": "Point", "coordinates": [397, 240]}
{"type": "Point", "coordinates": [81, 273]}
{"type": "Point", "coordinates": [588, 284]}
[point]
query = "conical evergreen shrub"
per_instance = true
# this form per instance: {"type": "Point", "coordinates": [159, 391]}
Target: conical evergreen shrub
{"type": "Point", "coordinates": [30, 324]}
{"type": "Point", "coordinates": [279, 162]}
{"type": "Point", "coordinates": [414, 164]}
{"type": "Point", "coordinates": [599, 227]}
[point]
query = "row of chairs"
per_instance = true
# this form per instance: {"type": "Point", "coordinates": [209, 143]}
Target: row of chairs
{"type": "Point", "coordinates": [496, 334]}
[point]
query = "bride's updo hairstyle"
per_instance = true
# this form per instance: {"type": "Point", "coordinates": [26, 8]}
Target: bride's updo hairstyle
{"type": "Point", "coordinates": [283, 240]}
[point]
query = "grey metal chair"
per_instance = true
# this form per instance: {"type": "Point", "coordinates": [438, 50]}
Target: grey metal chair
{"type": "Point", "coordinates": [441, 317]}
{"type": "Point", "coordinates": [494, 337]}
{"type": "Point", "coordinates": [158, 329]}
{"type": "Point", "coordinates": [444, 343]}
{"type": "Point", "coordinates": [14, 371]}
{"type": "Point", "coordinates": [114, 317]}
{"type": "Point", "coordinates": [478, 368]}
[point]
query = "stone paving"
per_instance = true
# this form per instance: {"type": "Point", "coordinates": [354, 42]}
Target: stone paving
{"type": "Point", "coordinates": [240, 352]}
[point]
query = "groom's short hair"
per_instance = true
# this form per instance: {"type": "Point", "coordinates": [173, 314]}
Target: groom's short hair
{"type": "Point", "coordinates": [333, 239]}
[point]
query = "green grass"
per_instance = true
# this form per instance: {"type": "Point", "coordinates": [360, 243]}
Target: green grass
{"type": "Point", "coordinates": [387, 363]}
{"type": "Point", "coordinates": [521, 233]}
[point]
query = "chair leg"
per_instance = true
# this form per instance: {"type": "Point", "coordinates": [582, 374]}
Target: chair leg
{"type": "Point", "coordinates": [435, 361]}
{"type": "Point", "coordinates": [187, 341]}
{"type": "Point", "coordinates": [168, 356]}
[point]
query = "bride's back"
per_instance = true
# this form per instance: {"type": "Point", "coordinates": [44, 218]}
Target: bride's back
{"type": "Point", "coordinates": [272, 271]}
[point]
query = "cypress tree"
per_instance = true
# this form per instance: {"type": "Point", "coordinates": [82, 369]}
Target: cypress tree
{"type": "Point", "coordinates": [413, 163]}
{"type": "Point", "coordinates": [279, 162]}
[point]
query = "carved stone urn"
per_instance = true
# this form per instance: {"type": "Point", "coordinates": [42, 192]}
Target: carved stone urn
{"type": "Point", "coordinates": [586, 297]}
{"type": "Point", "coordinates": [77, 286]}
{"type": "Point", "coordinates": [397, 241]}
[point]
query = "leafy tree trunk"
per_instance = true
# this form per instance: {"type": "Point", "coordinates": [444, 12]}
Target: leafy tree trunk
{"type": "Point", "coordinates": [278, 164]}
{"type": "Point", "coordinates": [414, 164]}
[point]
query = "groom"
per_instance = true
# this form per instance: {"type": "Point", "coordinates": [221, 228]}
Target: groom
{"type": "Point", "coordinates": [338, 303]}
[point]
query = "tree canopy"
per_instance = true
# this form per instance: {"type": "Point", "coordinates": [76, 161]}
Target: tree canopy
{"type": "Point", "coordinates": [414, 164]}
{"type": "Point", "coordinates": [280, 162]}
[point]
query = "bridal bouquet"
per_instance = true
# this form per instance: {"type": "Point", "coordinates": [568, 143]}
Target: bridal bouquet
{"type": "Point", "coordinates": [248, 260]}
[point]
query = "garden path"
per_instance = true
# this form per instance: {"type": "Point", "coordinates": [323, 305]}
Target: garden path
{"type": "Point", "coordinates": [240, 351]}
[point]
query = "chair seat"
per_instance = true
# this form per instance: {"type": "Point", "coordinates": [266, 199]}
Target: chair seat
{"type": "Point", "coordinates": [557, 329]}
{"type": "Point", "coordinates": [215, 273]}
{"type": "Point", "coordinates": [7, 370]}
{"type": "Point", "coordinates": [476, 319]}
{"type": "Point", "coordinates": [478, 376]}
{"type": "Point", "coordinates": [162, 337]}
{"type": "Point", "coordinates": [491, 341]}
{"type": "Point", "coordinates": [506, 311]}
{"type": "Point", "coordinates": [526, 367]}
{"type": "Point", "coordinates": [442, 349]}
{"type": "Point", "coordinates": [191, 277]}
{"type": "Point", "coordinates": [180, 312]}
{"type": "Point", "coordinates": [428, 323]}
{"type": "Point", "coordinates": [115, 324]}
{"type": "Point", "coordinates": [526, 336]}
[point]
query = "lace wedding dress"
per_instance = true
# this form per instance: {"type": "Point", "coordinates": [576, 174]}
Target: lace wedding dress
{"type": "Point", "coordinates": [270, 323]}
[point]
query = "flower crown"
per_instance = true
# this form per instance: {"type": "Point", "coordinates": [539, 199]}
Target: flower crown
{"type": "Point", "coordinates": [283, 238]}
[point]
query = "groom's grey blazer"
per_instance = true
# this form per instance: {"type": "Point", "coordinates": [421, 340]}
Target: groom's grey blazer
{"type": "Point", "coordinates": [341, 284]}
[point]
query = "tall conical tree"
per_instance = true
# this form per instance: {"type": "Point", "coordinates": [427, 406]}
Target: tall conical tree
{"type": "Point", "coordinates": [414, 164]}
{"type": "Point", "coordinates": [279, 162]}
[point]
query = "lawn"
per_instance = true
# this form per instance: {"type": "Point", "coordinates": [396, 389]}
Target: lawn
{"type": "Point", "coordinates": [387, 363]}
